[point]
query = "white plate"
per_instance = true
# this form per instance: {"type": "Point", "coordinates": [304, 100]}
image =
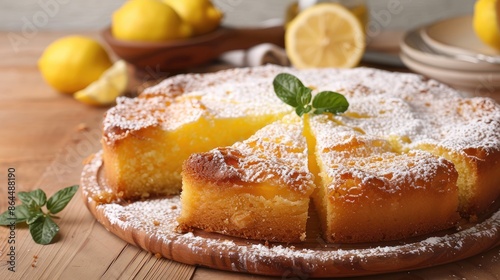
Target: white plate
{"type": "Point", "coordinates": [414, 46]}
{"type": "Point", "coordinates": [455, 36]}
{"type": "Point", "coordinates": [472, 80]}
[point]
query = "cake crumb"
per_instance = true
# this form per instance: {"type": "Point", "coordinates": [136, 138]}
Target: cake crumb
{"type": "Point", "coordinates": [303, 236]}
{"type": "Point", "coordinates": [158, 255]}
{"type": "Point", "coordinates": [173, 207]}
{"type": "Point", "coordinates": [156, 223]}
{"type": "Point", "coordinates": [33, 262]}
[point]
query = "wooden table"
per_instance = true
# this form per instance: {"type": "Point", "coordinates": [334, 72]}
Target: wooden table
{"type": "Point", "coordinates": [45, 136]}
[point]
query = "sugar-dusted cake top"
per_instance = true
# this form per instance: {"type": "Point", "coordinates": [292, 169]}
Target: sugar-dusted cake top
{"type": "Point", "coordinates": [450, 121]}
{"type": "Point", "coordinates": [375, 164]}
{"type": "Point", "coordinates": [276, 153]}
{"type": "Point", "coordinates": [381, 103]}
{"type": "Point", "coordinates": [186, 98]}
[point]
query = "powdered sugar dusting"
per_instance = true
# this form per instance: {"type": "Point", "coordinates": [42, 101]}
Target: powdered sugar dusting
{"type": "Point", "coordinates": [454, 123]}
{"type": "Point", "coordinates": [95, 189]}
{"type": "Point", "coordinates": [278, 152]}
{"type": "Point", "coordinates": [184, 99]}
{"type": "Point", "coordinates": [156, 219]}
{"type": "Point", "coordinates": [392, 103]}
{"type": "Point", "coordinates": [346, 151]}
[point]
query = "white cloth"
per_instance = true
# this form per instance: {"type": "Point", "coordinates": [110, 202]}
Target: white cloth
{"type": "Point", "coordinates": [258, 55]}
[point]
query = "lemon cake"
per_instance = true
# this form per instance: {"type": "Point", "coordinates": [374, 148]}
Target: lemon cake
{"type": "Point", "coordinates": [408, 155]}
{"type": "Point", "coordinates": [259, 188]}
{"type": "Point", "coordinates": [147, 138]}
{"type": "Point", "coordinates": [369, 191]}
{"type": "Point", "coordinates": [465, 131]}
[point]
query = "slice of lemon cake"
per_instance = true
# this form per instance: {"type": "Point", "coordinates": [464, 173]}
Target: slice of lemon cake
{"type": "Point", "coordinates": [259, 188]}
{"type": "Point", "coordinates": [146, 139]}
{"type": "Point", "coordinates": [470, 138]}
{"type": "Point", "coordinates": [368, 191]}
{"type": "Point", "coordinates": [465, 131]}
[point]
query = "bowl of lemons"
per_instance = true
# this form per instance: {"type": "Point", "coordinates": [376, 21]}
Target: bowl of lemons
{"type": "Point", "coordinates": [171, 35]}
{"type": "Point", "coordinates": [142, 30]}
{"type": "Point", "coordinates": [162, 35]}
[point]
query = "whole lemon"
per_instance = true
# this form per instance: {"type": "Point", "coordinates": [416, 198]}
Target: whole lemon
{"type": "Point", "coordinates": [148, 20]}
{"type": "Point", "coordinates": [202, 15]}
{"type": "Point", "coordinates": [486, 22]}
{"type": "Point", "coordinates": [71, 63]}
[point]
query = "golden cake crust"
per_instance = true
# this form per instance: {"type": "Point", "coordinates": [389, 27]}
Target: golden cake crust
{"type": "Point", "coordinates": [204, 168]}
{"type": "Point", "coordinates": [259, 188]}
{"type": "Point", "coordinates": [399, 202]}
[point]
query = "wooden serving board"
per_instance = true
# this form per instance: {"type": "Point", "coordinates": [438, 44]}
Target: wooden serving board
{"type": "Point", "coordinates": [151, 225]}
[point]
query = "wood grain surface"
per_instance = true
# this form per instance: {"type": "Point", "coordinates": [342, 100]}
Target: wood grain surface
{"type": "Point", "coordinates": [45, 136]}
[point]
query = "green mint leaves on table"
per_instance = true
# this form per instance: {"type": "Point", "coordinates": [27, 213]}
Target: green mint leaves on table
{"type": "Point", "coordinates": [290, 90]}
{"type": "Point", "coordinates": [41, 224]}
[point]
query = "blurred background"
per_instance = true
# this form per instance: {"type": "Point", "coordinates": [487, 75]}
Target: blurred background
{"type": "Point", "coordinates": [389, 21]}
{"type": "Point", "coordinates": [87, 15]}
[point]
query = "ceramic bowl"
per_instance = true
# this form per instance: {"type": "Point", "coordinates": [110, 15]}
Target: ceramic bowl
{"type": "Point", "coordinates": [191, 52]}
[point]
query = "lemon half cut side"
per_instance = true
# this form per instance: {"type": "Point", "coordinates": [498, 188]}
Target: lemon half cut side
{"type": "Point", "coordinates": [107, 88]}
{"type": "Point", "coordinates": [325, 35]}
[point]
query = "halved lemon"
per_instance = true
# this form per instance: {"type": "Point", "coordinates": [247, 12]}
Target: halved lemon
{"type": "Point", "coordinates": [111, 84]}
{"type": "Point", "coordinates": [325, 35]}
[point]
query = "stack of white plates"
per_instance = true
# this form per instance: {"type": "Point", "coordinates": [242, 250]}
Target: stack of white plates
{"type": "Point", "coordinates": [450, 52]}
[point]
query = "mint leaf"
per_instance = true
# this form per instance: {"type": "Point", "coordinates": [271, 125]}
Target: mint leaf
{"type": "Point", "coordinates": [34, 215]}
{"type": "Point", "coordinates": [287, 87]}
{"type": "Point", "coordinates": [43, 230]}
{"type": "Point", "coordinates": [6, 218]}
{"type": "Point", "coordinates": [33, 199]}
{"type": "Point", "coordinates": [304, 96]}
{"type": "Point", "coordinates": [303, 110]}
{"type": "Point", "coordinates": [39, 197]}
{"type": "Point", "coordinates": [290, 90]}
{"type": "Point", "coordinates": [26, 199]}
{"type": "Point", "coordinates": [22, 213]}
{"type": "Point", "coordinates": [41, 226]}
{"type": "Point", "coordinates": [329, 102]}
{"type": "Point", "coordinates": [60, 199]}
